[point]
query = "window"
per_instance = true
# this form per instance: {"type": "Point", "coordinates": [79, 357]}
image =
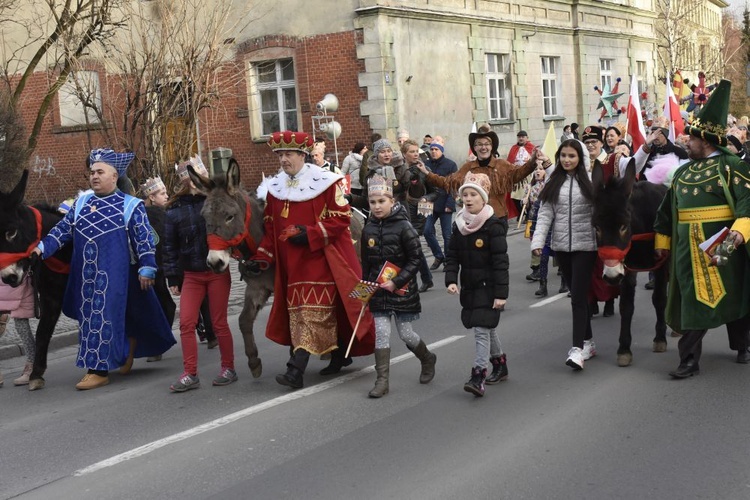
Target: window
{"type": "Point", "coordinates": [80, 98]}
{"type": "Point", "coordinates": [498, 86]}
{"type": "Point", "coordinates": [605, 72]}
{"type": "Point", "coordinates": [641, 77]}
{"type": "Point", "coordinates": [550, 86]}
{"type": "Point", "coordinates": [278, 95]}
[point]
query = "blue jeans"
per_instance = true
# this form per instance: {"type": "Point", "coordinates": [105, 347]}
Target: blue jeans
{"type": "Point", "coordinates": [446, 220]}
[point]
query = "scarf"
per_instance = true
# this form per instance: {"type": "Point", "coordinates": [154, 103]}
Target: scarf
{"type": "Point", "coordinates": [471, 223]}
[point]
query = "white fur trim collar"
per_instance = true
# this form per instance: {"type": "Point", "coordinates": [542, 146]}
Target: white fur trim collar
{"type": "Point", "coordinates": [311, 181]}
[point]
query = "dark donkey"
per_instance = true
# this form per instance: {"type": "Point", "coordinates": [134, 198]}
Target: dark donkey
{"type": "Point", "coordinates": [234, 224]}
{"type": "Point", "coordinates": [21, 227]}
{"type": "Point", "coordinates": [624, 215]}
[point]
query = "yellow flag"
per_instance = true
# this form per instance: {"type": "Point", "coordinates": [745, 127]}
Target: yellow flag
{"type": "Point", "coordinates": [550, 143]}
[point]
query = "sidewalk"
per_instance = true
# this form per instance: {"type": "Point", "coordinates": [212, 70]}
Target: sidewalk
{"type": "Point", "coordinates": [66, 331]}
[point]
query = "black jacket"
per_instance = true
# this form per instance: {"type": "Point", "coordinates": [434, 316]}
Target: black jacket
{"type": "Point", "coordinates": [483, 259]}
{"type": "Point", "coordinates": [392, 239]}
{"type": "Point", "coordinates": [185, 243]}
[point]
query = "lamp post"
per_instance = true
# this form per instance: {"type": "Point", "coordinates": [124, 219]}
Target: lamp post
{"type": "Point", "coordinates": [326, 124]}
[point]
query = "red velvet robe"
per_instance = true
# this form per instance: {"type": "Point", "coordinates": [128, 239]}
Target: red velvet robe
{"type": "Point", "coordinates": [312, 308]}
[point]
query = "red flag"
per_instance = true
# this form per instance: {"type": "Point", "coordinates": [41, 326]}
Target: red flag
{"type": "Point", "coordinates": [634, 121]}
{"type": "Point", "coordinates": [672, 112]}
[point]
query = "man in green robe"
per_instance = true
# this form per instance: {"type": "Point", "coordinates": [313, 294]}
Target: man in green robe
{"type": "Point", "coordinates": [707, 194]}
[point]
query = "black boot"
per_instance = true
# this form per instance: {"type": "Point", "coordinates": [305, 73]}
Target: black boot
{"type": "Point", "coordinates": [563, 286]}
{"type": "Point", "coordinates": [499, 370]}
{"type": "Point", "coordinates": [428, 360]}
{"type": "Point", "coordinates": [338, 361]}
{"type": "Point", "coordinates": [593, 308]}
{"type": "Point", "coordinates": [475, 385]}
{"type": "Point", "coordinates": [295, 369]}
{"type": "Point", "coordinates": [542, 292]}
{"type": "Point", "coordinates": [534, 276]}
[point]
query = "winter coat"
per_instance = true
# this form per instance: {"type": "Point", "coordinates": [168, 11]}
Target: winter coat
{"type": "Point", "coordinates": [392, 239]}
{"type": "Point", "coordinates": [443, 199]}
{"type": "Point", "coordinates": [483, 259]}
{"type": "Point", "coordinates": [418, 189]}
{"type": "Point", "coordinates": [570, 219]}
{"type": "Point", "coordinates": [351, 165]}
{"type": "Point", "coordinates": [19, 300]}
{"type": "Point", "coordinates": [185, 242]}
{"type": "Point", "coordinates": [399, 185]}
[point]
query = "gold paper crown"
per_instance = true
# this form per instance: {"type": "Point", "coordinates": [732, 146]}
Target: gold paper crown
{"type": "Point", "coordinates": [379, 186]}
{"type": "Point", "coordinates": [198, 166]}
{"type": "Point", "coordinates": [152, 185]}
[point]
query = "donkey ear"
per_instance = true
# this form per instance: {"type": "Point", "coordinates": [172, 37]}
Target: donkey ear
{"type": "Point", "coordinates": [233, 177]}
{"type": "Point", "coordinates": [15, 197]}
{"type": "Point", "coordinates": [597, 176]}
{"type": "Point", "coordinates": [204, 184]}
{"type": "Point", "coordinates": [629, 177]}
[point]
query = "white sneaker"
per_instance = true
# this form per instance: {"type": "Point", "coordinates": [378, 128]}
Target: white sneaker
{"type": "Point", "coordinates": [589, 349]}
{"type": "Point", "coordinates": [575, 358]}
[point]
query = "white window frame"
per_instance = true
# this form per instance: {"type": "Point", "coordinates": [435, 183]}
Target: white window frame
{"type": "Point", "coordinates": [605, 72]}
{"type": "Point", "coordinates": [279, 84]}
{"type": "Point", "coordinates": [74, 111]}
{"type": "Point", "coordinates": [641, 76]}
{"type": "Point", "coordinates": [497, 77]}
{"type": "Point", "coordinates": [551, 92]}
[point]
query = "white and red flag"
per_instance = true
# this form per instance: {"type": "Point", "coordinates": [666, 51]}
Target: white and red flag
{"type": "Point", "coordinates": [672, 112]}
{"type": "Point", "coordinates": [634, 120]}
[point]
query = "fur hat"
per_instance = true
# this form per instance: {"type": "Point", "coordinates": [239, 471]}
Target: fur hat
{"type": "Point", "coordinates": [593, 132]}
{"type": "Point", "coordinates": [480, 182]}
{"type": "Point", "coordinates": [378, 185]}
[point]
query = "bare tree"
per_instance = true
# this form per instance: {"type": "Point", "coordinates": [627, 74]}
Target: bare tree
{"type": "Point", "coordinates": [50, 36]}
{"type": "Point", "coordinates": [174, 61]}
{"type": "Point", "coordinates": [676, 30]}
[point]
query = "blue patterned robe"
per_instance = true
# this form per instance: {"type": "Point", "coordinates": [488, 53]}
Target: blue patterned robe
{"type": "Point", "coordinates": [103, 291]}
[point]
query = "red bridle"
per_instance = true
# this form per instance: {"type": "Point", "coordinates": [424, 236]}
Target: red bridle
{"type": "Point", "coordinates": [53, 263]}
{"type": "Point", "coordinates": [218, 243]}
{"type": "Point", "coordinates": [613, 253]}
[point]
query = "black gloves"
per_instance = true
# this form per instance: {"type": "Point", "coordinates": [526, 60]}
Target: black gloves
{"type": "Point", "coordinates": [301, 238]}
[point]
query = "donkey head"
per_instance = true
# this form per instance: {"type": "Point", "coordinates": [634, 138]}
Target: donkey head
{"type": "Point", "coordinates": [17, 231]}
{"type": "Point", "coordinates": [612, 219]}
{"type": "Point", "coordinates": [224, 212]}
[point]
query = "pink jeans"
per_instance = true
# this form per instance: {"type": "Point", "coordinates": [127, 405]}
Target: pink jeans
{"type": "Point", "coordinates": [195, 286]}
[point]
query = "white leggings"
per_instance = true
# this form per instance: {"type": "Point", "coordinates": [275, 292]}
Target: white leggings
{"type": "Point", "coordinates": [383, 332]}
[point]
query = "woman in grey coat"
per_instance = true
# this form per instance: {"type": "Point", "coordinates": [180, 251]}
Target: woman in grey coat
{"type": "Point", "coordinates": [567, 208]}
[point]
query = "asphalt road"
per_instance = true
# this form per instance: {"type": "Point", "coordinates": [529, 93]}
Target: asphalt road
{"type": "Point", "coordinates": [546, 433]}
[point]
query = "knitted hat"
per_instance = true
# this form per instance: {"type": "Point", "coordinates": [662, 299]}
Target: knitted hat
{"type": "Point", "coordinates": [118, 161]}
{"type": "Point", "coordinates": [438, 146]}
{"type": "Point", "coordinates": [378, 185]}
{"type": "Point", "coordinates": [380, 145]}
{"type": "Point", "coordinates": [402, 134]}
{"type": "Point", "coordinates": [711, 122]}
{"type": "Point", "coordinates": [480, 182]}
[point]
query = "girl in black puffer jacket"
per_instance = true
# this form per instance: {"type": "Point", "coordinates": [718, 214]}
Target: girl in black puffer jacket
{"type": "Point", "coordinates": [388, 236]}
{"type": "Point", "coordinates": [478, 247]}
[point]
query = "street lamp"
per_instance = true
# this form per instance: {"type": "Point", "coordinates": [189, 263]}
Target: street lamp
{"type": "Point", "coordinates": [326, 124]}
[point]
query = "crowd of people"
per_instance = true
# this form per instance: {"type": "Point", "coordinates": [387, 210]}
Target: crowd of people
{"type": "Point", "coordinates": [131, 255]}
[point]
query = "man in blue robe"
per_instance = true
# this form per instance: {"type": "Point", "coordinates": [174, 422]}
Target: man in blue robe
{"type": "Point", "coordinates": [112, 274]}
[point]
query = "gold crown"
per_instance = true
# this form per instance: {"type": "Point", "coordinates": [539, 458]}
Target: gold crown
{"type": "Point", "coordinates": [379, 186]}
{"type": "Point", "coordinates": [290, 141]}
{"type": "Point", "coordinates": [152, 185]}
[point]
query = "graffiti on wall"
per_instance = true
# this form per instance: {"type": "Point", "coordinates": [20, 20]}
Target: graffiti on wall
{"type": "Point", "coordinates": [43, 166]}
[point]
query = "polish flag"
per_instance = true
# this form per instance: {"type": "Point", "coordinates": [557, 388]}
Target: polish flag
{"type": "Point", "coordinates": [634, 121]}
{"type": "Point", "coordinates": [672, 112]}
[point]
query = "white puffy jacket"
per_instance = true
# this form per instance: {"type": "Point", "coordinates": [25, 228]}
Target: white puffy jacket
{"type": "Point", "coordinates": [570, 219]}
